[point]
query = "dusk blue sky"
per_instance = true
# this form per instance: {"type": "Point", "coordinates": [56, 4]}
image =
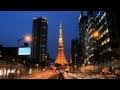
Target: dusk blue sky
{"type": "Point", "coordinates": [16, 24]}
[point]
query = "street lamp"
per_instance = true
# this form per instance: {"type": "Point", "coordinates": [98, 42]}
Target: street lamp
{"type": "Point", "coordinates": [28, 38]}
{"type": "Point", "coordinates": [96, 34]}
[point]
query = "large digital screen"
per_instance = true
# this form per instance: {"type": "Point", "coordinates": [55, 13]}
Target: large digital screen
{"type": "Point", "coordinates": [24, 51]}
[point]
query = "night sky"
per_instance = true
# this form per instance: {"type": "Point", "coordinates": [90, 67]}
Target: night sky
{"type": "Point", "coordinates": [16, 24]}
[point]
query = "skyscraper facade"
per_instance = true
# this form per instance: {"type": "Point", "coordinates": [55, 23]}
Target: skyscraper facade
{"type": "Point", "coordinates": [82, 30]}
{"type": "Point", "coordinates": [107, 44]}
{"type": "Point", "coordinates": [75, 53]}
{"type": "Point", "coordinates": [39, 41]}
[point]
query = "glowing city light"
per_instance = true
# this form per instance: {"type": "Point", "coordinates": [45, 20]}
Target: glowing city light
{"type": "Point", "coordinates": [28, 38]}
{"type": "Point", "coordinates": [96, 34]}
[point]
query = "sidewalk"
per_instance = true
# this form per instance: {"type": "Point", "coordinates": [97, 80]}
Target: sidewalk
{"type": "Point", "coordinates": [91, 76]}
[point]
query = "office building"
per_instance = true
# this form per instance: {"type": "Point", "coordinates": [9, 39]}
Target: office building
{"type": "Point", "coordinates": [75, 53]}
{"type": "Point", "coordinates": [39, 41]}
{"type": "Point", "coordinates": [107, 45]}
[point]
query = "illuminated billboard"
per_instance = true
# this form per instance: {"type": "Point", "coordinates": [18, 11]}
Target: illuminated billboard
{"type": "Point", "coordinates": [24, 51]}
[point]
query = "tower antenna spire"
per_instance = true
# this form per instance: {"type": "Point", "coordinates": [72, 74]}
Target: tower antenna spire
{"type": "Point", "coordinates": [60, 23]}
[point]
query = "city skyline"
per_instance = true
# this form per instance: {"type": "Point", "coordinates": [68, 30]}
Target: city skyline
{"type": "Point", "coordinates": [20, 23]}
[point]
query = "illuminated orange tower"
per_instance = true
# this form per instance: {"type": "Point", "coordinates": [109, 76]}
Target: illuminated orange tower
{"type": "Point", "coordinates": [60, 59]}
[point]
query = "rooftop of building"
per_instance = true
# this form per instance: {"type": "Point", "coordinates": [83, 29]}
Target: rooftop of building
{"type": "Point", "coordinates": [40, 18]}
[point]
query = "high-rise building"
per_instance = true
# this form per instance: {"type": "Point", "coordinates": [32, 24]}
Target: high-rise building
{"type": "Point", "coordinates": [60, 59]}
{"type": "Point", "coordinates": [39, 41]}
{"type": "Point", "coordinates": [94, 21]}
{"type": "Point", "coordinates": [109, 41]}
{"type": "Point", "coordinates": [114, 25]}
{"type": "Point", "coordinates": [107, 44]}
{"type": "Point", "coordinates": [89, 42]}
{"type": "Point", "coordinates": [103, 46]}
{"type": "Point", "coordinates": [75, 53]}
{"type": "Point", "coordinates": [82, 35]}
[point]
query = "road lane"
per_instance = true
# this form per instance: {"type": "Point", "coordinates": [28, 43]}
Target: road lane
{"type": "Point", "coordinates": [42, 75]}
{"type": "Point", "coordinates": [54, 77]}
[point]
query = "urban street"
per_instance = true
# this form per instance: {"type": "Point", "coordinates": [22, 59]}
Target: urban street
{"type": "Point", "coordinates": [59, 45]}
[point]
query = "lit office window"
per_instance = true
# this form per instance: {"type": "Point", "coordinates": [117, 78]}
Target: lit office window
{"type": "Point", "coordinates": [90, 30]}
{"type": "Point", "coordinates": [108, 39]}
{"type": "Point", "coordinates": [45, 21]}
{"type": "Point", "coordinates": [99, 20]}
{"type": "Point", "coordinates": [92, 55]}
{"type": "Point", "coordinates": [87, 30]}
{"type": "Point", "coordinates": [44, 27]}
{"type": "Point", "coordinates": [90, 37]}
{"type": "Point", "coordinates": [85, 39]}
{"type": "Point", "coordinates": [105, 41]}
{"type": "Point", "coordinates": [103, 15]}
{"type": "Point", "coordinates": [87, 47]}
{"type": "Point", "coordinates": [101, 35]}
{"type": "Point", "coordinates": [100, 28]}
{"type": "Point", "coordinates": [109, 49]}
{"type": "Point", "coordinates": [106, 31]}
{"type": "Point", "coordinates": [92, 49]}
{"type": "Point", "coordinates": [101, 43]}
{"type": "Point", "coordinates": [98, 14]}
{"type": "Point", "coordinates": [105, 23]}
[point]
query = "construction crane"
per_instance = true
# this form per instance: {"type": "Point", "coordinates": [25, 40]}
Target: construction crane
{"type": "Point", "coordinates": [19, 40]}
